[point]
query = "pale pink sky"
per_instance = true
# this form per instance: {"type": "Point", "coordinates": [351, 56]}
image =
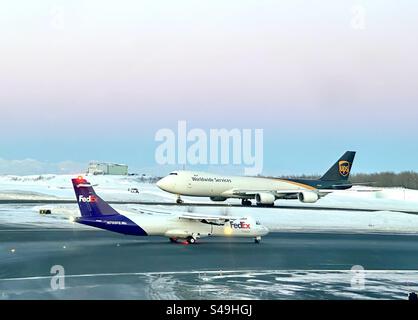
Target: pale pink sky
{"type": "Point", "coordinates": [301, 67]}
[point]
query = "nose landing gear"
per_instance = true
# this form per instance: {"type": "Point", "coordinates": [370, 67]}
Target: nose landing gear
{"type": "Point", "coordinates": [246, 202]}
{"type": "Point", "coordinates": [257, 239]}
{"type": "Point", "coordinates": [179, 200]}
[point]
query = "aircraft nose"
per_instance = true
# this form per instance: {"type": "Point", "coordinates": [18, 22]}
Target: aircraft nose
{"type": "Point", "coordinates": [163, 183]}
{"type": "Point", "coordinates": [160, 183]}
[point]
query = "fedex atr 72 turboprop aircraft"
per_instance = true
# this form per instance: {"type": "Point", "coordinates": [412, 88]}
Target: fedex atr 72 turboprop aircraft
{"type": "Point", "coordinates": [264, 190]}
{"type": "Point", "coordinates": [97, 213]}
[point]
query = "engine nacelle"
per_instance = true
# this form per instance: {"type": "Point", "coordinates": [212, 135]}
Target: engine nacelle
{"type": "Point", "coordinates": [265, 198]}
{"type": "Point", "coordinates": [308, 197]}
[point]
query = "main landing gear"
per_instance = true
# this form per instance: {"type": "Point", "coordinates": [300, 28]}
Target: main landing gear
{"type": "Point", "coordinates": [257, 239]}
{"type": "Point", "coordinates": [246, 202]}
{"type": "Point", "coordinates": [190, 240]}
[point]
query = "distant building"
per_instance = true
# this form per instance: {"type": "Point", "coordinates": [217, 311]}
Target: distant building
{"type": "Point", "coordinates": [107, 168]}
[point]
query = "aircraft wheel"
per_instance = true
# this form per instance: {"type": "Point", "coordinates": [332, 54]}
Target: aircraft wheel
{"type": "Point", "coordinates": [173, 240]}
{"type": "Point", "coordinates": [191, 240]}
{"type": "Point", "coordinates": [257, 239]}
{"type": "Point", "coordinates": [179, 201]}
{"type": "Point", "coordinates": [246, 202]}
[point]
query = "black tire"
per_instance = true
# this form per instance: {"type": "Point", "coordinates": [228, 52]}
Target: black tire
{"type": "Point", "coordinates": [191, 240]}
{"type": "Point", "coordinates": [173, 240]}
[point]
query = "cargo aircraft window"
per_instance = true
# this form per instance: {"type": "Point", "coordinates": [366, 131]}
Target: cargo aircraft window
{"type": "Point", "coordinates": [173, 174]}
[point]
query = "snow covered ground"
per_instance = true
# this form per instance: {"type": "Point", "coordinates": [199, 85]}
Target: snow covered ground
{"type": "Point", "coordinates": [60, 187]}
{"type": "Point", "coordinates": [227, 284]}
{"type": "Point", "coordinates": [388, 202]}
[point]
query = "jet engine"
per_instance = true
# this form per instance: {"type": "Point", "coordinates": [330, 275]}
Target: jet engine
{"type": "Point", "coordinates": [265, 198]}
{"type": "Point", "coordinates": [308, 197]}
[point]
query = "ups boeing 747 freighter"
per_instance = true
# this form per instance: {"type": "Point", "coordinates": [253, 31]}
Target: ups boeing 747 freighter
{"type": "Point", "coordinates": [264, 190]}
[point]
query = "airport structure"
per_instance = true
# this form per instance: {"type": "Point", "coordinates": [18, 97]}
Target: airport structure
{"type": "Point", "coordinates": [106, 168]}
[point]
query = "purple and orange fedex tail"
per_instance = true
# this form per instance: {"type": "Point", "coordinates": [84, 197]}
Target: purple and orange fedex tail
{"type": "Point", "coordinates": [90, 204]}
{"type": "Point", "coordinates": [96, 212]}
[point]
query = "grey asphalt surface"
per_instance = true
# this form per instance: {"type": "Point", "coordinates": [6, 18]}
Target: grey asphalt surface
{"type": "Point", "coordinates": [28, 253]}
{"type": "Point", "coordinates": [102, 251]}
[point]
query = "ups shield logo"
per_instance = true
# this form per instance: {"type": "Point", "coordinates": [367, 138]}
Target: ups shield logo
{"type": "Point", "coordinates": [344, 167]}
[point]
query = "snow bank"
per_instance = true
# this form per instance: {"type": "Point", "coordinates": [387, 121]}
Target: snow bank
{"type": "Point", "coordinates": [388, 202]}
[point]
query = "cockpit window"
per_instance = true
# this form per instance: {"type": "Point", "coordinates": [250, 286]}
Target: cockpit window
{"type": "Point", "coordinates": [173, 174]}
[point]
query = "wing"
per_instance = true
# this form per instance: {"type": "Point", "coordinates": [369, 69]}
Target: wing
{"type": "Point", "coordinates": [209, 219]}
{"type": "Point", "coordinates": [291, 193]}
